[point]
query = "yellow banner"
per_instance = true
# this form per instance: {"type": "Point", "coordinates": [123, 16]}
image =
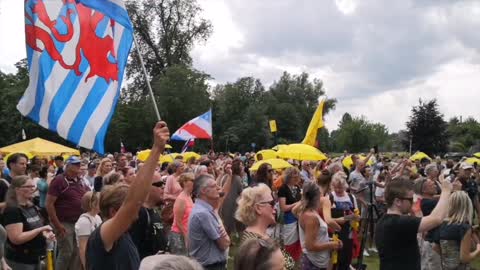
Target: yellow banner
{"type": "Point", "coordinates": [273, 126]}
{"type": "Point", "coordinates": [315, 124]}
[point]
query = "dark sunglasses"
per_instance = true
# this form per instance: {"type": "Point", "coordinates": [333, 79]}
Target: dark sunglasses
{"type": "Point", "coordinates": [158, 184]}
{"type": "Point", "coordinates": [271, 203]}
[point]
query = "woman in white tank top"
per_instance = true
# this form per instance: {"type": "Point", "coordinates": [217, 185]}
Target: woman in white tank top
{"type": "Point", "coordinates": [316, 245]}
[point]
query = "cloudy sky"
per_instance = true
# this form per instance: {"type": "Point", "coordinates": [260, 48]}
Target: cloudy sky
{"type": "Point", "coordinates": [376, 57]}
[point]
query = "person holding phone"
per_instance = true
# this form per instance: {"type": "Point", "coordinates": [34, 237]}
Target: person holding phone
{"type": "Point", "coordinates": [27, 234]}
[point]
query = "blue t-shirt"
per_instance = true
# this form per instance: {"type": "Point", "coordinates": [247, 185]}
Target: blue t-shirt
{"type": "Point", "coordinates": [42, 187]}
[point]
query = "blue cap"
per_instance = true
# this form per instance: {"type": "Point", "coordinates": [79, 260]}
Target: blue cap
{"type": "Point", "coordinates": [73, 160]}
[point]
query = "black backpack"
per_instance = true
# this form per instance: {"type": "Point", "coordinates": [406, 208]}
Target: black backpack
{"type": "Point", "coordinates": [155, 233]}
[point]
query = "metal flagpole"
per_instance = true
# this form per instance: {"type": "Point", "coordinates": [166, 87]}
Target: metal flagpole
{"type": "Point", "coordinates": [146, 79]}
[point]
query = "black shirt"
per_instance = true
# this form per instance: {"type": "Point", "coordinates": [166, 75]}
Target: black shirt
{"type": "Point", "coordinates": [291, 195]}
{"type": "Point", "coordinates": [29, 252]}
{"type": "Point", "coordinates": [396, 240]}
{"type": "Point", "coordinates": [122, 256]}
{"type": "Point", "coordinates": [451, 232]}
{"type": "Point", "coordinates": [427, 206]}
{"type": "Point", "coordinates": [147, 233]}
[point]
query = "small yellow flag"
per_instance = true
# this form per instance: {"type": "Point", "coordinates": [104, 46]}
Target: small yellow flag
{"type": "Point", "coordinates": [273, 126]}
{"type": "Point", "coordinates": [315, 124]}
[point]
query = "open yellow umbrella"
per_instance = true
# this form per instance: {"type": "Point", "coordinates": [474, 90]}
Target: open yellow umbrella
{"type": "Point", "coordinates": [144, 154]}
{"type": "Point", "coordinates": [348, 161]}
{"type": "Point", "coordinates": [187, 155]}
{"type": "Point", "coordinates": [39, 147]}
{"type": "Point", "coordinates": [266, 154]}
{"type": "Point", "coordinates": [169, 158]}
{"type": "Point", "coordinates": [278, 147]}
{"type": "Point", "coordinates": [419, 156]}
{"type": "Point", "coordinates": [300, 151]}
{"type": "Point", "coordinates": [276, 164]}
{"type": "Point", "coordinates": [473, 160]}
{"type": "Point", "coordinates": [477, 155]}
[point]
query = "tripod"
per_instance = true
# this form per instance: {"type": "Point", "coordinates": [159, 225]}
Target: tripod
{"type": "Point", "coordinates": [370, 223]}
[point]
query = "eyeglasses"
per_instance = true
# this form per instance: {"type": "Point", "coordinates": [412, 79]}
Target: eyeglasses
{"type": "Point", "coordinates": [158, 184]}
{"type": "Point", "coordinates": [410, 199]}
{"type": "Point", "coordinates": [271, 203]}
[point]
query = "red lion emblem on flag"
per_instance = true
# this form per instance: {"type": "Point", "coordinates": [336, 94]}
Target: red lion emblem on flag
{"type": "Point", "coordinates": [96, 50]}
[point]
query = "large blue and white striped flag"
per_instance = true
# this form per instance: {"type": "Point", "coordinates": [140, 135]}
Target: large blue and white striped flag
{"type": "Point", "coordinates": [77, 51]}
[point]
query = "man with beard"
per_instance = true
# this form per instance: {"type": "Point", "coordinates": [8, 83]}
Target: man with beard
{"type": "Point", "coordinates": [396, 231]}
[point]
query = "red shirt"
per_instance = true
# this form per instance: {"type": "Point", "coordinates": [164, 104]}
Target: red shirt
{"type": "Point", "coordinates": [69, 193]}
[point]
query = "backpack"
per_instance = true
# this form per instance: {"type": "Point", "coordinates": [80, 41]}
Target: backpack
{"type": "Point", "coordinates": [155, 233]}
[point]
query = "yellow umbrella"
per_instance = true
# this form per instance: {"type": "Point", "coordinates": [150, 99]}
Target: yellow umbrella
{"type": "Point", "coordinates": [266, 154]}
{"type": "Point", "coordinates": [29, 155]}
{"type": "Point", "coordinates": [187, 155]}
{"type": "Point", "coordinates": [39, 147]}
{"type": "Point", "coordinates": [276, 163]}
{"type": "Point", "coordinates": [144, 154]}
{"type": "Point", "coordinates": [419, 156]}
{"type": "Point", "coordinates": [477, 155]}
{"type": "Point", "coordinates": [169, 157]}
{"type": "Point", "coordinates": [278, 147]}
{"type": "Point", "coordinates": [472, 160]}
{"type": "Point", "coordinates": [348, 162]}
{"type": "Point", "coordinates": [301, 151]}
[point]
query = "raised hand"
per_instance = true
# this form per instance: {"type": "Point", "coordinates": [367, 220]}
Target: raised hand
{"type": "Point", "coordinates": [161, 135]}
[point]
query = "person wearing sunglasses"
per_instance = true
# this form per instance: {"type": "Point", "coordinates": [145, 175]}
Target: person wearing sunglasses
{"type": "Point", "coordinates": [148, 231]}
{"type": "Point", "coordinates": [26, 231]}
{"type": "Point", "coordinates": [256, 210]}
{"type": "Point", "coordinates": [396, 231]}
{"type": "Point", "coordinates": [110, 246]}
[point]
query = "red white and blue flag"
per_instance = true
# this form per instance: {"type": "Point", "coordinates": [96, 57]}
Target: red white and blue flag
{"type": "Point", "coordinates": [188, 145]}
{"type": "Point", "coordinates": [77, 51]}
{"type": "Point", "coordinates": [199, 127]}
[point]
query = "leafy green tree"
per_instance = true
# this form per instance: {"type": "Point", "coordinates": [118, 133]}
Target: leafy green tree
{"type": "Point", "coordinates": [427, 129]}
{"type": "Point", "coordinates": [463, 134]}
{"type": "Point", "coordinates": [166, 31]}
{"type": "Point", "coordinates": [357, 134]}
{"type": "Point", "coordinates": [181, 94]}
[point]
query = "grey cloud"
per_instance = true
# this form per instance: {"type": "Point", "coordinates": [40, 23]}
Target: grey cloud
{"type": "Point", "coordinates": [382, 45]}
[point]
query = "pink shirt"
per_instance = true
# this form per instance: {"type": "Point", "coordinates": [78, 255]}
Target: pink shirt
{"type": "Point", "coordinates": [172, 187]}
{"type": "Point", "coordinates": [188, 203]}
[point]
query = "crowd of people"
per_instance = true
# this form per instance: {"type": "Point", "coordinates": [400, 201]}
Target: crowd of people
{"type": "Point", "coordinates": [117, 212]}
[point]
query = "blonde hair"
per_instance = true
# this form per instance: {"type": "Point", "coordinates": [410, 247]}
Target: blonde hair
{"type": "Point", "coordinates": [112, 197]}
{"type": "Point", "coordinates": [89, 201]}
{"type": "Point", "coordinates": [246, 203]}
{"type": "Point", "coordinates": [460, 208]}
{"type": "Point", "coordinates": [339, 178]}
{"type": "Point", "coordinates": [185, 177]}
{"type": "Point", "coordinates": [100, 166]}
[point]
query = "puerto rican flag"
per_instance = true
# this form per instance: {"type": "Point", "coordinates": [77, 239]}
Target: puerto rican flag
{"type": "Point", "coordinates": [199, 127]}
